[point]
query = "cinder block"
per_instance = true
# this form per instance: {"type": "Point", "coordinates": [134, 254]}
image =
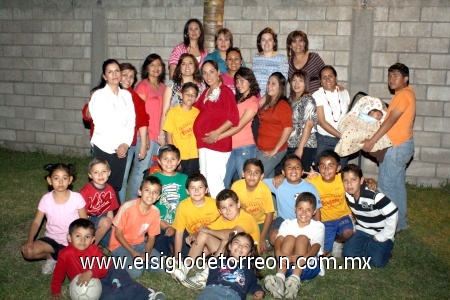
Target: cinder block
{"type": "Point", "coordinates": [441, 93]}
{"type": "Point", "coordinates": [421, 61]}
{"type": "Point", "coordinates": [34, 125]}
{"type": "Point", "coordinates": [152, 39]}
{"type": "Point", "coordinates": [87, 78]}
{"type": "Point", "coordinates": [431, 182]}
{"type": "Point", "coordinates": [421, 92]}
{"type": "Point", "coordinates": [50, 148]}
{"type": "Point", "coordinates": [433, 45]}
{"type": "Point", "coordinates": [166, 26]}
{"type": "Point", "coordinates": [341, 58]}
{"type": "Point", "coordinates": [445, 140]}
{"type": "Point", "coordinates": [25, 112]}
{"type": "Point", "coordinates": [54, 126]}
{"type": "Point", "coordinates": [404, 13]}
{"type": "Point", "coordinates": [112, 39]}
{"type": "Point", "coordinates": [341, 13]}
{"type": "Point", "coordinates": [63, 64]}
{"type": "Point", "coordinates": [423, 169]}
{"type": "Point", "coordinates": [429, 77]}
{"type": "Point", "coordinates": [32, 51]}
{"type": "Point", "coordinates": [415, 29]}
{"type": "Point", "coordinates": [379, 90]}
{"type": "Point", "coordinates": [52, 76]}
{"type": "Point", "coordinates": [282, 13]}
{"type": "Point", "coordinates": [11, 75]}
{"type": "Point", "coordinates": [6, 14]}
{"type": "Point", "coordinates": [327, 57]}
{"type": "Point", "coordinates": [52, 51]}
{"type": "Point", "coordinates": [51, 26]}
{"type": "Point", "coordinates": [34, 101]}
{"type": "Point", "coordinates": [22, 14]}
{"type": "Point", "coordinates": [311, 13]}
{"type": "Point", "coordinates": [81, 13]}
{"type": "Point", "coordinates": [5, 38]}
{"type": "Point", "coordinates": [239, 27]}
{"type": "Point", "coordinates": [65, 139]}
{"type": "Point", "coordinates": [443, 172]}
{"type": "Point", "coordinates": [62, 90]}
{"type": "Point", "coordinates": [418, 123]}
{"type": "Point", "coordinates": [87, 26]}
{"type": "Point", "coordinates": [232, 13]}
{"type": "Point", "coordinates": [344, 28]}
{"type": "Point", "coordinates": [132, 13]}
{"type": "Point", "coordinates": [32, 76]}
{"type": "Point", "coordinates": [83, 140]}
{"type": "Point", "coordinates": [383, 60]}
{"type": "Point", "coordinates": [8, 111]}
{"type": "Point", "coordinates": [401, 44]}
{"type": "Point", "coordinates": [429, 108]}
{"type": "Point", "coordinates": [154, 12]}
{"type": "Point", "coordinates": [379, 44]}
{"type": "Point", "coordinates": [15, 123]}
{"type": "Point", "coordinates": [31, 26]}
{"type": "Point", "coordinates": [437, 124]}
{"type": "Point", "coordinates": [376, 75]}
{"type": "Point", "coordinates": [255, 13]}
{"type": "Point", "coordinates": [73, 127]}
{"type": "Point", "coordinates": [386, 29]}
{"type": "Point", "coordinates": [138, 52]}
{"type": "Point", "coordinates": [381, 13]}
{"type": "Point", "coordinates": [76, 103]}
{"type": "Point", "coordinates": [198, 11]}
{"type": "Point", "coordinates": [14, 100]}
{"type": "Point", "coordinates": [322, 28]}
{"type": "Point", "coordinates": [447, 109]}
{"type": "Point", "coordinates": [7, 135]}
{"type": "Point", "coordinates": [44, 114]}
{"type": "Point", "coordinates": [337, 43]}
{"type": "Point", "coordinates": [23, 38]}
{"type": "Point", "coordinates": [138, 26]}
{"type": "Point", "coordinates": [73, 77]}
{"type": "Point", "coordinates": [435, 14]}
{"type": "Point", "coordinates": [316, 42]}
{"type": "Point", "coordinates": [53, 102]}
{"type": "Point", "coordinates": [117, 26]}
{"type": "Point", "coordinates": [72, 51]}
{"type": "Point", "coordinates": [12, 51]}
{"type": "Point", "coordinates": [259, 25]}
{"type": "Point", "coordinates": [441, 30]}
{"type": "Point", "coordinates": [46, 138]}
{"type": "Point", "coordinates": [67, 115]}
{"type": "Point", "coordinates": [72, 26]}
{"type": "Point", "coordinates": [23, 88]}
{"type": "Point", "coordinates": [42, 63]}
{"type": "Point", "coordinates": [440, 61]}
{"type": "Point", "coordinates": [427, 139]}
{"type": "Point", "coordinates": [83, 39]}
{"type": "Point", "coordinates": [25, 136]}
{"type": "Point", "coordinates": [42, 39]}
{"type": "Point", "coordinates": [289, 26]}
{"type": "Point", "coordinates": [435, 155]}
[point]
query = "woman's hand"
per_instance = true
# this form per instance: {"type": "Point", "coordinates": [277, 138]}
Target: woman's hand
{"type": "Point", "coordinates": [299, 152]}
{"type": "Point", "coordinates": [270, 153]}
{"type": "Point", "coordinates": [170, 231]}
{"type": "Point", "coordinates": [122, 150]}
{"type": "Point", "coordinates": [211, 137]}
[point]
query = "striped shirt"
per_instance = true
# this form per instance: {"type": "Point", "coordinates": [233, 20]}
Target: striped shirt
{"type": "Point", "coordinates": [312, 67]}
{"type": "Point", "coordinates": [375, 214]}
{"type": "Point", "coordinates": [181, 49]}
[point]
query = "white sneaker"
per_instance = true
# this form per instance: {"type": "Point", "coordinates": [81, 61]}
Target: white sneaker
{"type": "Point", "coordinates": [156, 295]}
{"type": "Point", "coordinates": [337, 249]}
{"type": "Point", "coordinates": [180, 271]}
{"type": "Point", "coordinates": [292, 286]}
{"type": "Point", "coordinates": [275, 286]}
{"type": "Point", "coordinates": [198, 281]}
{"type": "Point", "coordinates": [48, 267]}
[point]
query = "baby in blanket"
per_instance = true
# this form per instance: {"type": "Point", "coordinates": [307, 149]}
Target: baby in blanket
{"type": "Point", "coordinates": [361, 123]}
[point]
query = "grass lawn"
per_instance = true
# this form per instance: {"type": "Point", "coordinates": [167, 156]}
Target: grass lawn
{"type": "Point", "coordinates": [419, 267]}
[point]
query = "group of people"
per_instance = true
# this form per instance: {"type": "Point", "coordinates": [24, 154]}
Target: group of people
{"type": "Point", "coordinates": [214, 123]}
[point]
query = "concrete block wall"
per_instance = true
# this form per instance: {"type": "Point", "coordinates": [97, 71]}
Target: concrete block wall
{"type": "Point", "coordinates": [51, 53]}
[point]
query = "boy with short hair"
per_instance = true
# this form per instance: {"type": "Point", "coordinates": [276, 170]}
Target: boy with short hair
{"type": "Point", "coordinates": [115, 282]}
{"type": "Point", "coordinates": [376, 220]}
{"type": "Point", "coordinates": [173, 191]}
{"type": "Point", "coordinates": [192, 213]}
{"type": "Point", "coordinates": [298, 239]}
{"type": "Point", "coordinates": [398, 126]}
{"type": "Point", "coordinates": [215, 236]}
{"type": "Point", "coordinates": [101, 200]}
{"type": "Point", "coordinates": [335, 213]}
{"type": "Point", "coordinates": [255, 197]}
{"type": "Point", "coordinates": [286, 193]}
{"type": "Point", "coordinates": [179, 128]}
{"type": "Point", "coordinates": [134, 219]}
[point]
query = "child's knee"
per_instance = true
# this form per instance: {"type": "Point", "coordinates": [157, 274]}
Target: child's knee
{"type": "Point", "coordinates": [105, 222]}
{"type": "Point", "coordinates": [347, 234]}
{"type": "Point", "coordinates": [302, 239]}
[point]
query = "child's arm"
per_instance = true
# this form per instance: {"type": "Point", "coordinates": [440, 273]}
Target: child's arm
{"type": "Point", "coordinates": [82, 212]}
{"type": "Point", "coordinates": [223, 234]}
{"type": "Point", "coordinates": [178, 242]}
{"type": "Point", "coordinates": [121, 239]}
{"type": "Point", "coordinates": [149, 245]}
{"type": "Point", "coordinates": [37, 221]}
{"type": "Point", "coordinates": [169, 138]}
{"type": "Point", "coordinates": [265, 230]}
{"type": "Point", "coordinates": [84, 278]}
{"type": "Point", "coordinates": [311, 253]}
{"type": "Point", "coordinates": [110, 215]}
{"type": "Point", "coordinates": [393, 117]}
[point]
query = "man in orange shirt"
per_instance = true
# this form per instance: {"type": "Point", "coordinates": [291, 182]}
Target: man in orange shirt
{"type": "Point", "coordinates": [399, 128]}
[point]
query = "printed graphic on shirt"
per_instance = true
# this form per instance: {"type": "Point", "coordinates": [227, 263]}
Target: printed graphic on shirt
{"type": "Point", "coordinates": [170, 199]}
{"type": "Point", "coordinates": [99, 201]}
{"type": "Point", "coordinates": [143, 229]}
{"type": "Point", "coordinates": [238, 276]}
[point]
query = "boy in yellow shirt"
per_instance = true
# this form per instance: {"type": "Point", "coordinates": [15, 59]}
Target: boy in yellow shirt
{"type": "Point", "coordinates": [255, 197]}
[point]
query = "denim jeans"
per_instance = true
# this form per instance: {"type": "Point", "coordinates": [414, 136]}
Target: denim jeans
{"type": "Point", "coordinates": [218, 291]}
{"type": "Point", "coordinates": [130, 156]}
{"type": "Point", "coordinates": [118, 285]}
{"type": "Point", "coordinates": [362, 244]}
{"type": "Point", "coordinates": [140, 166]}
{"type": "Point", "coordinates": [270, 163]}
{"type": "Point", "coordinates": [236, 161]}
{"type": "Point", "coordinates": [325, 142]}
{"type": "Point", "coordinates": [133, 271]}
{"type": "Point", "coordinates": [391, 177]}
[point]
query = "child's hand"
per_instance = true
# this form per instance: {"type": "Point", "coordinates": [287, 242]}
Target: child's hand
{"type": "Point", "coordinates": [27, 247]}
{"type": "Point", "coordinates": [191, 239]}
{"type": "Point", "coordinates": [55, 297]}
{"type": "Point", "coordinates": [312, 173]}
{"type": "Point", "coordinates": [277, 180]}
{"type": "Point", "coordinates": [262, 244]}
{"type": "Point", "coordinates": [135, 254]}
{"type": "Point", "coordinates": [170, 231]}
{"type": "Point", "coordinates": [371, 184]}
{"type": "Point", "coordinates": [84, 278]}
{"type": "Point", "coordinates": [258, 295]}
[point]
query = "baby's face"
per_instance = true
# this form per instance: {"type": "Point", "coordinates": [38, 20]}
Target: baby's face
{"type": "Point", "coordinates": [376, 114]}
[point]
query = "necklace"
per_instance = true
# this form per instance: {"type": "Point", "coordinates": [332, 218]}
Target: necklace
{"type": "Point", "coordinates": [331, 108]}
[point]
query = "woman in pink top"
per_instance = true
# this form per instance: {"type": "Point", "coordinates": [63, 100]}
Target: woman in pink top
{"type": "Point", "coordinates": [243, 143]}
{"type": "Point", "coordinates": [234, 62]}
{"type": "Point", "coordinates": [151, 90]}
{"type": "Point", "coordinates": [193, 43]}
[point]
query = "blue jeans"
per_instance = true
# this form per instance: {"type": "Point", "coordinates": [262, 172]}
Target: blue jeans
{"type": "Point", "coordinates": [140, 166]}
{"type": "Point", "coordinates": [325, 142]}
{"type": "Point", "coordinates": [218, 291]}
{"type": "Point", "coordinates": [391, 177]}
{"type": "Point", "coordinates": [362, 244]}
{"type": "Point", "coordinates": [130, 156]}
{"type": "Point", "coordinates": [118, 285]}
{"type": "Point", "coordinates": [236, 161]}
{"type": "Point", "coordinates": [133, 271]}
{"type": "Point", "coordinates": [270, 163]}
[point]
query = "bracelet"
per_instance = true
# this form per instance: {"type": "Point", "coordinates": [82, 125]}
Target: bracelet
{"type": "Point", "coordinates": [161, 136]}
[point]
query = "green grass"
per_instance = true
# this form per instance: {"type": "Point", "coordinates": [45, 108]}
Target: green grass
{"type": "Point", "coordinates": [419, 267]}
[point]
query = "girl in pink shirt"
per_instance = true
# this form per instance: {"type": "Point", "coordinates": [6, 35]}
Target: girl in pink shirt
{"type": "Point", "coordinates": [61, 206]}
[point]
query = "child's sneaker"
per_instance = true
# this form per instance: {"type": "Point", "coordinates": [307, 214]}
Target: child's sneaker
{"type": "Point", "coordinates": [292, 286]}
{"type": "Point", "coordinates": [275, 286]}
{"type": "Point", "coordinates": [48, 267]}
{"type": "Point", "coordinates": [156, 295]}
{"type": "Point", "coordinates": [197, 282]}
{"type": "Point", "coordinates": [180, 271]}
{"type": "Point", "coordinates": [337, 249]}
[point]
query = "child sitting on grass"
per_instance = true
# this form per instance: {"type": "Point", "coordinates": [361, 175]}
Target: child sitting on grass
{"type": "Point", "coordinates": [116, 283]}
{"type": "Point", "coordinates": [376, 220]}
{"type": "Point", "coordinates": [133, 221]}
{"type": "Point", "coordinates": [255, 197]}
{"type": "Point", "coordinates": [236, 283]}
{"type": "Point", "coordinates": [298, 240]}
{"type": "Point", "coordinates": [60, 207]}
{"type": "Point", "coordinates": [101, 200]}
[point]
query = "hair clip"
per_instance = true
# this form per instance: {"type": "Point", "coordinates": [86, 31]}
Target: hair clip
{"type": "Point", "coordinates": [235, 232]}
{"type": "Point", "coordinates": [255, 243]}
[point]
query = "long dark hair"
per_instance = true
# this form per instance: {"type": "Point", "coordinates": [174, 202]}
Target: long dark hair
{"type": "Point", "coordinates": [293, 35]}
{"type": "Point", "coordinates": [300, 74]}
{"type": "Point", "coordinates": [248, 75]}
{"type": "Point", "coordinates": [128, 66]}
{"type": "Point", "coordinates": [281, 93]}
{"type": "Point", "coordinates": [148, 60]}
{"type": "Point", "coordinates": [201, 38]}
{"type": "Point", "coordinates": [107, 62]}
{"type": "Point", "coordinates": [253, 253]}
{"type": "Point", "coordinates": [177, 77]}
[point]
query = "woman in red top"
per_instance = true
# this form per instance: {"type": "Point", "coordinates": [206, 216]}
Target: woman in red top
{"type": "Point", "coordinates": [218, 112]}
{"type": "Point", "coordinates": [275, 124]}
{"type": "Point", "coordinates": [129, 78]}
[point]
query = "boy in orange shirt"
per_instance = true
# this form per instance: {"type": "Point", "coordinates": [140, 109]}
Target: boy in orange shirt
{"type": "Point", "coordinates": [398, 125]}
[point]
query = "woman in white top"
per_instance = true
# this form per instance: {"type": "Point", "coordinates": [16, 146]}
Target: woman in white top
{"type": "Point", "coordinates": [332, 103]}
{"type": "Point", "coordinates": [112, 111]}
